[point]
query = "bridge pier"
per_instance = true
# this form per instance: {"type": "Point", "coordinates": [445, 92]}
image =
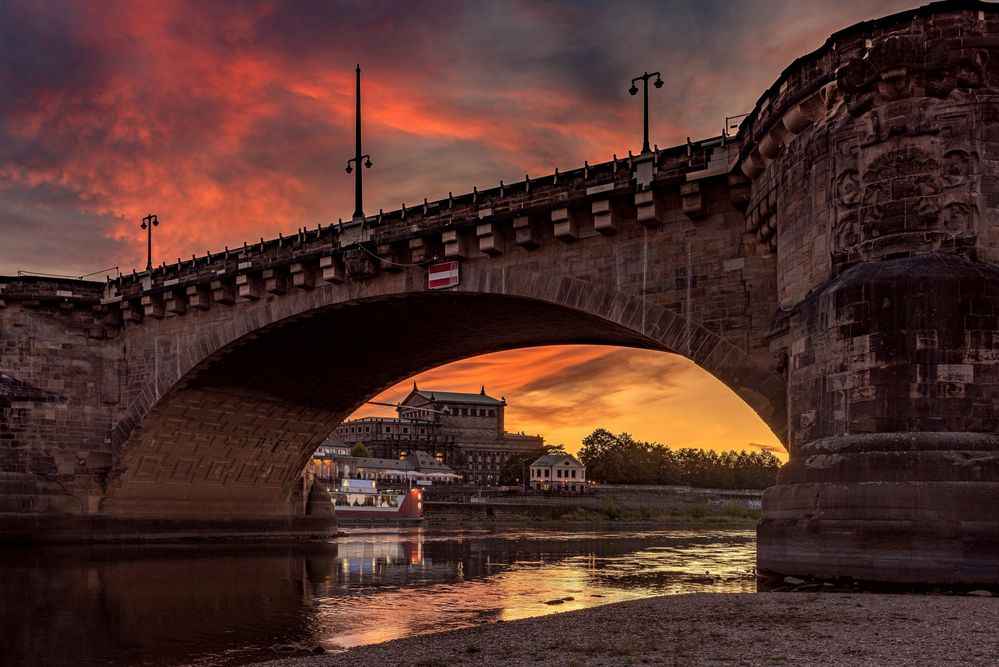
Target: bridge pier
{"type": "Point", "coordinates": [894, 470]}
{"type": "Point", "coordinates": [872, 162]}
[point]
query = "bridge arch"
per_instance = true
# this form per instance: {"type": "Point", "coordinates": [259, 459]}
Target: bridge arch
{"type": "Point", "coordinates": [233, 410]}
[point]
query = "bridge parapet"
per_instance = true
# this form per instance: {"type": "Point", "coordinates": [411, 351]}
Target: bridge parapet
{"type": "Point", "coordinates": [38, 290]}
{"type": "Point", "coordinates": [558, 208]}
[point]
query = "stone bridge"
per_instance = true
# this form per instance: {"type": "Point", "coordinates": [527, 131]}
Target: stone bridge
{"type": "Point", "coordinates": [834, 264]}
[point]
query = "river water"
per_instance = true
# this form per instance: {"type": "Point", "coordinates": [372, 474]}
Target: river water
{"type": "Point", "coordinates": [228, 605]}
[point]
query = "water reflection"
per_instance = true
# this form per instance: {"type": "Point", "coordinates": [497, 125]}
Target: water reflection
{"type": "Point", "coordinates": [218, 606]}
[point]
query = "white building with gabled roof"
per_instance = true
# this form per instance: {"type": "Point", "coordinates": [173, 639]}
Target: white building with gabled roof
{"type": "Point", "coordinates": [558, 472]}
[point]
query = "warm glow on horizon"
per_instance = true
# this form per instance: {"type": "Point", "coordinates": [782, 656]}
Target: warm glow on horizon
{"type": "Point", "coordinates": [564, 392]}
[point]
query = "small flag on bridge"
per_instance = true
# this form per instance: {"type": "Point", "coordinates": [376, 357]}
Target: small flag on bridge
{"type": "Point", "coordinates": [443, 275]}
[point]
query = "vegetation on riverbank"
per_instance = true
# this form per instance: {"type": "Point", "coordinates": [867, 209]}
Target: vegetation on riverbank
{"type": "Point", "coordinates": [620, 459]}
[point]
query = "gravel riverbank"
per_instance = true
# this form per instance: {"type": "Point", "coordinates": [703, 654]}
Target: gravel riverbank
{"type": "Point", "coordinates": [712, 629]}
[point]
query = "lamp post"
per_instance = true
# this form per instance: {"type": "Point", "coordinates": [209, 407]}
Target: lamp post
{"type": "Point", "coordinates": [358, 207]}
{"type": "Point", "coordinates": [658, 83]}
{"type": "Point", "coordinates": [148, 223]}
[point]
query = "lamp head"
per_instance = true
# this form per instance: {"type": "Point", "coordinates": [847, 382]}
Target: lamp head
{"type": "Point", "coordinates": [634, 89]}
{"type": "Point", "coordinates": [658, 83]}
{"type": "Point", "coordinates": [143, 224]}
{"type": "Point", "coordinates": [349, 168]}
{"type": "Point", "coordinates": [156, 221]}
{"type": "Point", "coordinates": [367, 163]}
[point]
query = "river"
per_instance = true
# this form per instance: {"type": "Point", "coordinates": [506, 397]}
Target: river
{"type": "Point", "coordinates": [227, 605]}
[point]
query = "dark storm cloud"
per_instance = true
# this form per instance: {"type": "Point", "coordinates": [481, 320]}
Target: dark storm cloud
{"type": "Point", "coordinates": [234, 118]}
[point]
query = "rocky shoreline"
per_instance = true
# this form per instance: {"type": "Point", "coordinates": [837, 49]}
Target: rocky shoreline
{"type": "Point", "coordinates": [801, 628]}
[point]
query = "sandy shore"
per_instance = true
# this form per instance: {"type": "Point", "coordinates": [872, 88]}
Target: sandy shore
{"type": "Point", "coordinates": [713, 629]}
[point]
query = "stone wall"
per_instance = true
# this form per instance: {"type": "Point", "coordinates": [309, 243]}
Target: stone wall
{"type": "Point", "coordinates": [874, 161]}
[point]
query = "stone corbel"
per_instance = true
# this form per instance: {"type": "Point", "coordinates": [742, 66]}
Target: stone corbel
{"type": "Point", "coordinates": [223, 292]}
{"type": "Point", "coordinates": [526, 233]}
{"type": "Point", "coordinates": [754, 164]}
{"type": "Point", "coordinates": [392, 259]}
{"type": "Point", "coordinates": [302, 276]}
{"type": "Point", "coordinates": [606, 217]}
{"type": "Point", "coordinates": [565, 224]}
{"type": "Point", "coordinates": [249, 286]}
{"type": "Point", "coordinates": [648, 210]}
{"type": "Point", "coordinates": [739, 190]}
{"type": "Point", "coordinates": [131, 310]}
{"type": "Point", "coordinates": [199, 296]}
{"type": "Point", "coordinates": [693, 200]}
{"type": "Point", "coordinates": [275, 281]}
{"type": "Point", "coordinates": [493, 238]}
{"type": "Point", "coordinates": [152, 305]}
{"type": "Point", "coordinates": [459, 244]}
{"type": "Point", "coordinates": [176, 302]}
{"type": "Point", "coordinates": [333, 269]}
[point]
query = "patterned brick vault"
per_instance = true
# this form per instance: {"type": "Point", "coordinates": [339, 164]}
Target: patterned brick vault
{"type": "Point", "coordinates": [834, 264]}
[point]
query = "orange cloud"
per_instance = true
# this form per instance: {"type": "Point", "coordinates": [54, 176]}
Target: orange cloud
{"type": "Point", "coordinates": [565, 392]}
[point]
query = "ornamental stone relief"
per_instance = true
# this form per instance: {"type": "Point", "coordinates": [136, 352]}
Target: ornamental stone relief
{"type": "Point", "coordinates": [901, 194]}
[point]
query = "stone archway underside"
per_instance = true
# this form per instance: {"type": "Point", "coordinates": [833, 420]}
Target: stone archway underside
{"type": "Point", "coordinates": [232, 436]}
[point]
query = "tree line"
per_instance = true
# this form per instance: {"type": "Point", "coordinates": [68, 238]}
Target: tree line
{"type": "Point", "coordinates": [620, 459]}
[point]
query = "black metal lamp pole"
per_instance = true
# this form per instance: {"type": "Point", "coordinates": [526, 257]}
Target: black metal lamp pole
{"type": "Point", "coordinates": [358, 206]}
{"type": "Point", "coordinates": [658, 83]}
{"type": "Point", "coordinates": [148, 223]}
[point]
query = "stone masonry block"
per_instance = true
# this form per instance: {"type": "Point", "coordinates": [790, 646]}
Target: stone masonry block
{"type": "Point", "coordinates": [565, 224]}
{"type": "Point", "coordinates": [606, 218]}
{"type": "Point", "coordinates": [199, 296]}
{"type": "Point", "coordinates": [152, 305]}
{"type": "Point", "coordinates": [459, 244]}
{"type": "Point", "coordinates": [223, 292]}
{"type": "Point", "coordinates": [693, 201]}
{"type": "Point", "coordinates": [492, 238]}
{"type": "Point", "coordinates": [249, 286]}
{"type": "Point", "coordinates": [332, 269]}
{"type": "Point", "coordinates": [275, 281]}
{"type": "Point", "coordinates": [526, 233]}
{"type": "Point", "coordinates": [302, 276]}
{"type": "Point", "coordinates": [176, 302]}
{"type": "Point", "coordinates": [649, 211]}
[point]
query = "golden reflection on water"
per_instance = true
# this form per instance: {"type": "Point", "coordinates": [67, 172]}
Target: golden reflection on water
{"type": "Point", "coordinates": [213, 605]}
{"type": "Point", "coordinates": [472, 577]}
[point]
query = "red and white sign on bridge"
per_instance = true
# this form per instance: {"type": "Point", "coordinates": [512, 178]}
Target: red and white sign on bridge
{"type": "Point", "coordinates": [443, 275]}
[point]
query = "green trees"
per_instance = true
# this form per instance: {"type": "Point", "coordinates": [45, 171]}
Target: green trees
{"type": "Point", "coordinates": [515, 467]}
{"type": "Point", "coordinates": [360, 450]}
{"type": "Point", "coordinates": [620, 459]}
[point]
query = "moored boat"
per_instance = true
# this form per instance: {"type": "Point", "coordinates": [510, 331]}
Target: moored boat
{"type": "Point", "coordinates": [359, 501]}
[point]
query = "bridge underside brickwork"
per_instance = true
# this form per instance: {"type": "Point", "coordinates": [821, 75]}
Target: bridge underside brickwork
{"type": "Point", "coordinates": [834, 264]}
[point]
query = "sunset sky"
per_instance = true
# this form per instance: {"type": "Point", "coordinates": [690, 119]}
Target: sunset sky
{"type": "Point", "coordinates": [233, 120]}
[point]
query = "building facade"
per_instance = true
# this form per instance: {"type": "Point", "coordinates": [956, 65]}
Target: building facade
{"type": "Point", "coordinates": [553, 472]}
{"type": "Point", "coordinates": [463, 431]}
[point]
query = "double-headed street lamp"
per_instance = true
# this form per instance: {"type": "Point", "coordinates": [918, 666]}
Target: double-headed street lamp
{"type": "Point", "coordinates": [358, 206]}
{"type": "Point", "coordinates": [658, 83]}
{"type": "Point", "coordinates": [148, 223]}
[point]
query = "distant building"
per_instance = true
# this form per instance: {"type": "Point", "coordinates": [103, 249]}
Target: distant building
{"type": "Point", "coordinates": [463, 431]}
{"type": "Point", "coordinates": [553, 472]}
